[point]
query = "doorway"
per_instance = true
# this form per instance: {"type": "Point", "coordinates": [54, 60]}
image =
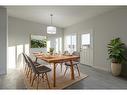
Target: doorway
{"type": "Point", "coordinates": [86, 48]}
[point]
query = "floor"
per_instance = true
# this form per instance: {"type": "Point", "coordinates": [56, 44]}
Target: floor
{"type": "Point", "coordinates": [97, 79]}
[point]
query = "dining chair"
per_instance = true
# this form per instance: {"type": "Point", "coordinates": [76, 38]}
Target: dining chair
{"type": "Point", "coordinates": [39, 72]}
{"type": "Point", "coordinates": [27, 66]}
{"type": "Point", "coordinates": [65, 53]}
{"type": "Point", "coordinates": [61, 65]}
{"type": "Point", "coordinates": [75, 63]}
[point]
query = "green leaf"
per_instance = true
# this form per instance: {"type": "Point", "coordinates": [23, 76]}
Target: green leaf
{"type": "Point", "coordinates": [115, 50]}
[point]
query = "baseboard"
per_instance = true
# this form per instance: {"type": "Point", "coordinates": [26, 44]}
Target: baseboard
{"type": "Point", "coordinates": [96, 67]}
{"type": "Point", "coordinates": [100, 68]}
{"type": "Point", "coordinates": [85, 65]}
{"type": "Point", "coordinates": [3, 73]}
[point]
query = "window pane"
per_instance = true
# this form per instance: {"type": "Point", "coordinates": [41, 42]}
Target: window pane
{"type": "Point", "coordinates": [68, 40]}
{"type": "Point", "coordinates": [12, 57]}
{"type": "Point", "coordinates": [86, 39]}
{"type": "Point", "coordinates": [70, 43]}
{"type": "Point", "coordinates": [73, 42]}
{"type": "Point", "coordinates": [57, 47]}
{"type": "Point", "coordinates": [48, 45]}
{"type": "Point", "coordinates": [60, 42]}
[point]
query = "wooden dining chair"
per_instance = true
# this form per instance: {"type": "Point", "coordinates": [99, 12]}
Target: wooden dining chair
{"type": "Point", "coordinates": [39, 72]}
{"type": "Point", "coordinates": [75, 63]}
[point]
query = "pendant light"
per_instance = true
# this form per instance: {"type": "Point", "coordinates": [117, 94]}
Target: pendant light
{"type": "Point", "coordinates": [51, 29]}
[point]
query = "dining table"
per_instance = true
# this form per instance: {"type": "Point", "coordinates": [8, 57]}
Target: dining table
{"type": "Point", "coordinates": [55, 59]}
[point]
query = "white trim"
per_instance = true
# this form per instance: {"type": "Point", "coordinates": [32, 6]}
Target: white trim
{"type": "Point", "coordinates": [91, 44]}
{"type": "Point", "coordinates": [101, 68]}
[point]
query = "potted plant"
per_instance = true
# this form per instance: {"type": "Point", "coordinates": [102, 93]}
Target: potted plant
{"type": "Point", "coordinates": [115, 52]}
{"type": "Point", "coordinates": [51, 50]}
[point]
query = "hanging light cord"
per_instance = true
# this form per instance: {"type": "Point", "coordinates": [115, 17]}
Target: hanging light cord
{"type": "Point", "coordinates": [51, 18]}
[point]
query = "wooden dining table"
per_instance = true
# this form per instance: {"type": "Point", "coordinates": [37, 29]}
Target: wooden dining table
{"type": "Point", "coordinates": [54, 59]}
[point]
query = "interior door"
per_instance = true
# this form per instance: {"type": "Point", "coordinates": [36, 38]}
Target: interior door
{"type": "Point", "coordinates": [86, 49]}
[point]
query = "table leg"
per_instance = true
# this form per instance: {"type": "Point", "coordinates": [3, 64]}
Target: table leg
{"type": "Point", "coordinates": [54, 74]}
{"type": "Point", "coordinates": [72, 70]}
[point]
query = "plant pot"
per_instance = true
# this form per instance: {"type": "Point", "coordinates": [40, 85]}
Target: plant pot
{"type": "Point", "coordinates": [116, 69]}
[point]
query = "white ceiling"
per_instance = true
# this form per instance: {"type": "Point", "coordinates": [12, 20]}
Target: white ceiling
{"type": "Point", "coordinates": [63, 16]}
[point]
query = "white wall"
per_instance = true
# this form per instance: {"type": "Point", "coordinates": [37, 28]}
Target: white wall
{"type": "Point", "coordinates": [3, 40]}
{"type": "Point", "coordinates": [19, 31]}
{"type": "Point", "coordinates": [105, 27]}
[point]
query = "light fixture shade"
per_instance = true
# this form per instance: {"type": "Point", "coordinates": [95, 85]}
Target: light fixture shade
{"type": "Point", "coordinates": [51, 30]}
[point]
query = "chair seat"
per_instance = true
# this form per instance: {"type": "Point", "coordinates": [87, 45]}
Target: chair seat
{"type": "Point", "coordinates": [68, 63]}
{"type": "Point", "coordinates": [43, 69]}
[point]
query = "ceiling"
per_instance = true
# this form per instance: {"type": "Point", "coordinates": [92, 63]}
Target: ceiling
{"type": "Point", "coordinates": [63, 16]}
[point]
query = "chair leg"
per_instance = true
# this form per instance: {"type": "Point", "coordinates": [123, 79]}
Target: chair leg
{"type": "Point", "coordinates": [61, 66]}
{"type": "Point", "coordinates": [43, 77]}
{"type": "Point", "coordinates": [47, 80]}
{"type": "Point", "coordinates": [34, 77]}
{"type": "Point", "coordinates": [37, 80]}
{"type": "Point", "coordinates": [78, 70]}
{"type": "Point", "coordinates": [56, 65]}
{"type": "Point", "coordinates": [30, 75]}
{"type": "Point", "coordinates": [65, 71]}
{"type": "Point", "coordinates": [28, 72]}
{"type": "Point", "coordinates": [25, 68]}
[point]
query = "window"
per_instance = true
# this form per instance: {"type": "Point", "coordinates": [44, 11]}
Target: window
{"type": "Point", "coordinates": [38, 41]}
{"type": "Point", "coordinates": [48, 45]}
{"type": "Point", "coordinates": [70, 43]}
{"type": "Point", "coordinates": [73, 42]}
{"type": "Point", "coordinates": [58, 45]}
{"type": "Point", "coordinates": [86, 39]}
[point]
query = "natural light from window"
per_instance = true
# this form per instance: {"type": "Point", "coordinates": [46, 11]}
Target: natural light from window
{"type": "Point", "coordinates": [11, 57]}
{"type": "Point", "coordinates": [19, 55]}
{"type": "Point", "coordinates": [27, 49]}
{"type": "Point", "coordinates": [70, 43]}
{"type": "Point", "coordinates": [48, 45]}
{"type": "Point", "coordinates": [58, 45]}
{"type": "Point", "coordinates": [86, 39]}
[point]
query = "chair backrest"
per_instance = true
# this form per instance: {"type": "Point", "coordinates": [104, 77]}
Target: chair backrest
{"type": "Point", "coordinates": [26, 60]}
{"type": "Point", "coordinates": [65, 52]}
{"type": "Point", "coordinates": [32, 64]}
{"type": "Point", "coordinates": [76, 54]}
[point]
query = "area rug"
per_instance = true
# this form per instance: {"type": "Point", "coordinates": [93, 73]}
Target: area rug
{"type": "Point", "coordinates": [61, 80]}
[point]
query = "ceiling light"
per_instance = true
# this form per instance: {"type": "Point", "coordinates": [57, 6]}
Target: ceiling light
{"type": "Point", "coordinates": [51, 29]}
